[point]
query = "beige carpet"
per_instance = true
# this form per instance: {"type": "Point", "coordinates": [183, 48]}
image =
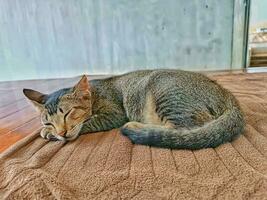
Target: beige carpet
{"type": "Point", "coordinates": [107, 166]}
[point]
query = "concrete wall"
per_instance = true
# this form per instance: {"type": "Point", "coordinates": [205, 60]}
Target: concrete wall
{"type": "Point", "coordinates": [59, 38]}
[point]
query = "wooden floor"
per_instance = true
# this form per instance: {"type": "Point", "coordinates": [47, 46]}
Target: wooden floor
{"type": "Point", "coordinates": [17, 116]}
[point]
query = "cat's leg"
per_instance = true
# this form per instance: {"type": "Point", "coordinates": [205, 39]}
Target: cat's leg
{"type": "Point", "coordinates": [134, 125]}
{"type": "Point", "coordinates": [103, 122]}
{"type": "Point", "coordinates": [139, 125]}
{"type": "Point", "coordinates": [47, 133]}
{"type": "Point", "coordinates": [139, 133]}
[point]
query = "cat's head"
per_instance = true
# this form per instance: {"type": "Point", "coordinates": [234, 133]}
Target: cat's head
{"type": "Point", "coordinates": [64, 110]}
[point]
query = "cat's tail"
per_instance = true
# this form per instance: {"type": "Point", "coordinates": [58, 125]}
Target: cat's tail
{"type": "Point", "coordinates": [223, 129]}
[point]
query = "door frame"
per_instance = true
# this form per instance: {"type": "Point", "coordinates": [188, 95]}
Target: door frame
{"type": "Point", "coordinates": [241, 15]}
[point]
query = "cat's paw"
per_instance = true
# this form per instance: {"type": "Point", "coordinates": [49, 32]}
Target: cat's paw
{"type": "Point", "coordinates": [134, 135]}
{"type": "Point", "coordinates": [133, 131]}
{"type": "Point", "coordinates": [133, 125]}
{"type": "Point", "coordinates": [47, 133]}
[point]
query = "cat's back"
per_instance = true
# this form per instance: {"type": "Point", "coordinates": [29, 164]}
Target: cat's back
{"type": "Point", "coordinates": [164, 77]}
{"type": "Point", "coordinates": [187, 85]}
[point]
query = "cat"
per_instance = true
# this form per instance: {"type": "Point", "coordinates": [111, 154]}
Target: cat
{"type": "Point", "coordinates": [163, 108]}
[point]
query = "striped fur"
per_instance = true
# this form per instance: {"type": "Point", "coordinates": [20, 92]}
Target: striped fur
{"type": "Point", "coordinates": [164, 108]}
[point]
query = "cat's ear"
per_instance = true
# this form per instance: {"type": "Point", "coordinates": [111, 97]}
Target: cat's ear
{"type": "Point", "coordinates": [37, 98]}
{"type": "Point", "coordinates": [82, 85]}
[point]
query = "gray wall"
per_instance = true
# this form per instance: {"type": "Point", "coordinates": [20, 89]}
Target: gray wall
{"type": "Point", "coordinates": [57, 38]}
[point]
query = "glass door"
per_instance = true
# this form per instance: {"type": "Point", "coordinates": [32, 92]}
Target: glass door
{"type": "Point", "coordinates": [257, 38]}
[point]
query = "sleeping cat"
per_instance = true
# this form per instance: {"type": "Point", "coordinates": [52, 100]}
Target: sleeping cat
{"type": "Point", "coordinates": [162, 108]}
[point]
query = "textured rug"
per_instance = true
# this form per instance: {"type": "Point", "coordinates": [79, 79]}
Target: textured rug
{"type": "Point", "coordinates": [107, 166]}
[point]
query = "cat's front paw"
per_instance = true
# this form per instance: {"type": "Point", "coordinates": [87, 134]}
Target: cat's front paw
{"type": "Point", "coordinates": [47, 133]}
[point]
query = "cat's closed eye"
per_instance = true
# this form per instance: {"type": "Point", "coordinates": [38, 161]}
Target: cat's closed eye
{"type": "Point", "coordinates": [77, 112]}
{"type": "Point", "coordinates": [49, 124]}
{"type": "Point", "coordinates": [65, 116]}
{"type": "Point", "coordinates": [60, 109]}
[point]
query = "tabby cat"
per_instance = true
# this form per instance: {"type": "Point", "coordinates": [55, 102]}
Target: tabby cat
{"type": "Point", "coordinates": [162, 108]}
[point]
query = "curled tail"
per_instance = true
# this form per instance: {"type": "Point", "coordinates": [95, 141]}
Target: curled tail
{"type": "Point", "coordinates": [223, 129]}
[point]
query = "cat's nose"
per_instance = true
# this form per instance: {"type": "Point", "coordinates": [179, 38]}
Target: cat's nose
{"type": "Point", "coordinates": [63, 133]}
